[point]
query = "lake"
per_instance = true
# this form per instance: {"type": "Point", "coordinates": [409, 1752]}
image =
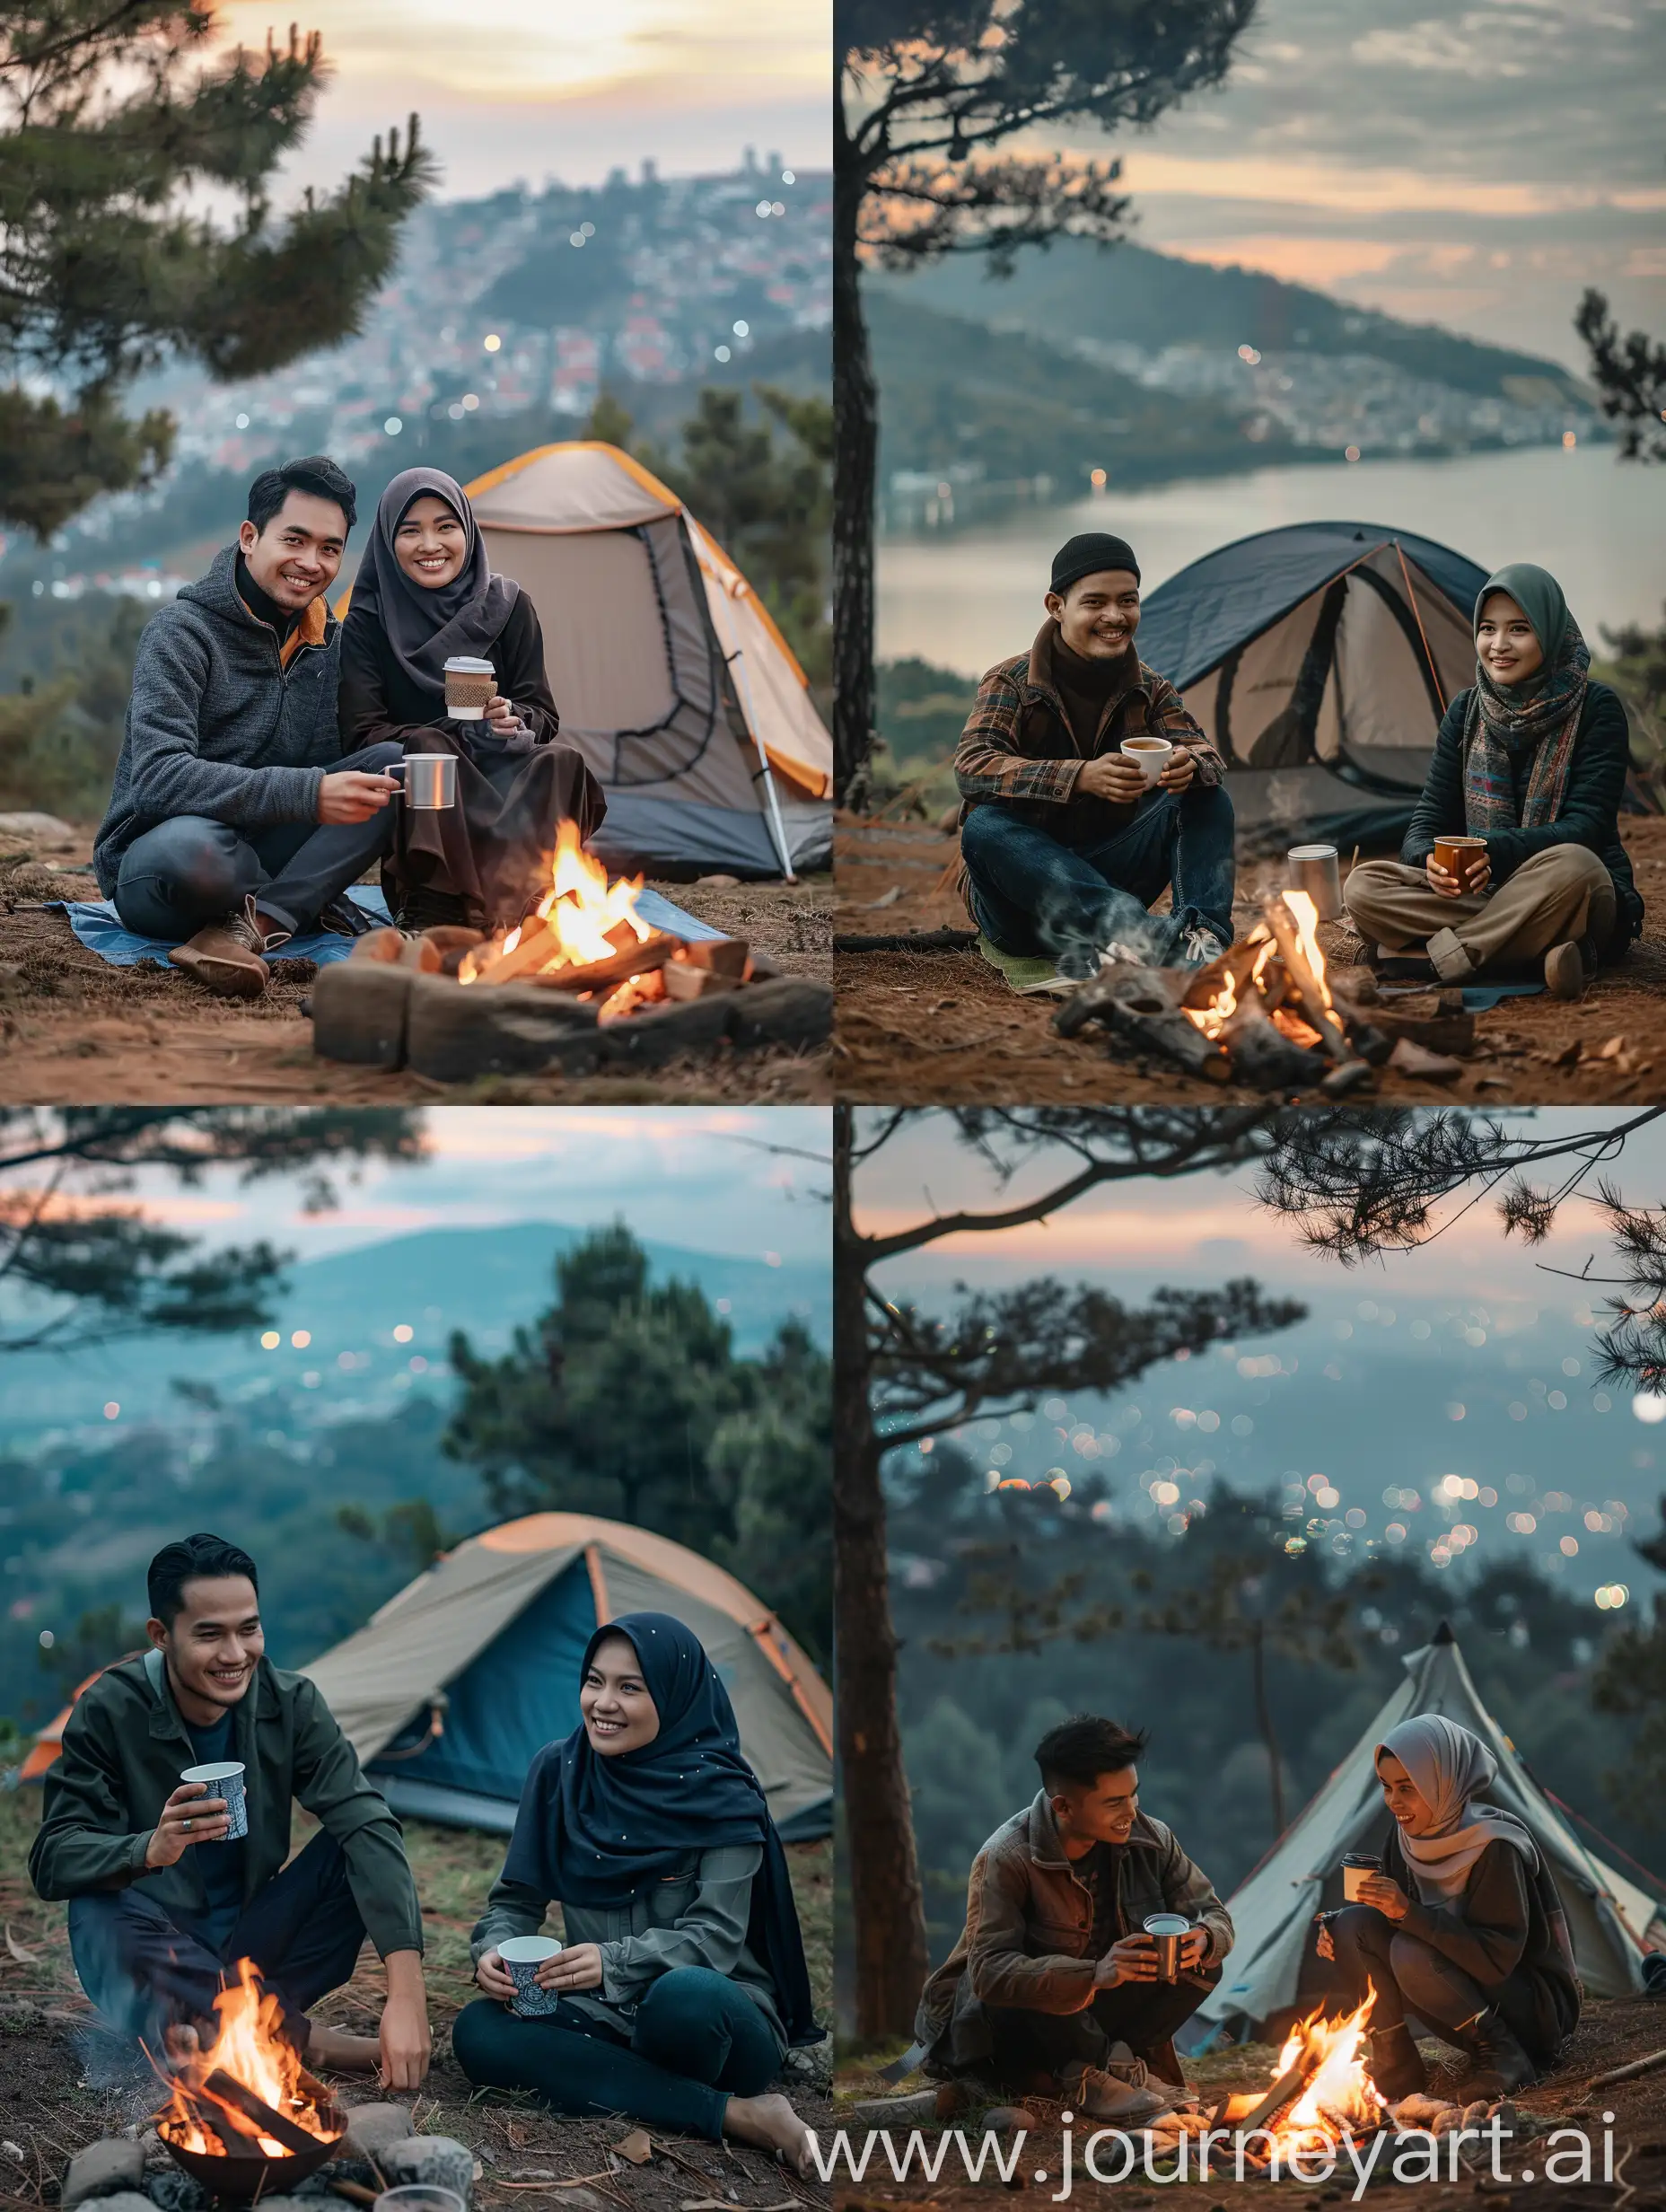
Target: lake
{"type": "Point", "coordinates": [966, 600]}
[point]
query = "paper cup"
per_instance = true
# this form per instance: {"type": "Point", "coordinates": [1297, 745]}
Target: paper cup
{"type": "Point", "coordinates": [1150, 755]}
{"type": "Point", "coordinates": [469, 684]}
{"type": "Point", "coordinates": [1355, 1873]}
{"type": "Point", "coordinates": [522, 1955]}
{"type": "Point", "coordinates": [227, 1782]}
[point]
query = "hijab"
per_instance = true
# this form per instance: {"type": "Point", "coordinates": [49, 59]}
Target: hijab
{"type": "Point", "coordinates": [424, 628]}
{"type": "Point", "coordinates": [1530, 726]}
{"type": "Point", "coordinates": [596, 1831]}
{"type": "Point", "coordinates": [1448, 1766]}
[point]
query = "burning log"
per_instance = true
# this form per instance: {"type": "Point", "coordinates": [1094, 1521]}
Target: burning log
{"type": "Point", "coordinates": [1137, 1003]}
{"type": "Point", "coordinates": [1262, 1055]}
{"type": "Point", "coordinates": [227, 2090]}
{"type": "Point", "coordinates": [653, 951]}
{"type": "Point", "coordinates": [1292, 918]}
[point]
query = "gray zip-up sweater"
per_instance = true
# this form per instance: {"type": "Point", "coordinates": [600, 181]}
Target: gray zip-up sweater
{"type": "Point", "coordinates": [216, 725]}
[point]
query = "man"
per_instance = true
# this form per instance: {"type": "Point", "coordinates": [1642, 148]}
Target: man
{"type": "Point", "coordinates": [235, 821]}
{"type": "Point", "coordinates": [1065, 847]}
{"type": "Point", "coordinates": [1053, 1968]}
{"type": "Point", "coordinates": [159, 1901]}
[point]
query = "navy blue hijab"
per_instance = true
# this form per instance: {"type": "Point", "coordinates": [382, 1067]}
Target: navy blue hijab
{"type": "Point", "coordinates": [594, 1830]}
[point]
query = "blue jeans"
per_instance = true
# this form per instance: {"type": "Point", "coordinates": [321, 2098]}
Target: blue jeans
{"type": "Point", "coordinates": [696, 2041]}
{"type": "Point", "coordinates": [191, 871]}
{"type": "Point", "coordinates": [1033, 894]}
{"type": "Point", "coordinates": [146, 1970]}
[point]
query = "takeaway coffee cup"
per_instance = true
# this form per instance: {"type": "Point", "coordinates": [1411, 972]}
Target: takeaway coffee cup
{"type": "Point", "coordinates": [428, 780]}
{"type": "Point", "coordinates": [1357, 1868]}
{"type": "Point", "coordinates": [469, 684]}
{"type": "Point", "coordinates": [1458, 856]}
{"type": "Point", "coordinates": [1166, 1930]}
{"type": "Point", "coordinates": [225, 1781]}
{"type": "Point", "coordinates": [1150, 755]}
{"type": "Point", "coordinates": [1313, 868]}
{"type": "Point", "coordinates": [522, 1955]}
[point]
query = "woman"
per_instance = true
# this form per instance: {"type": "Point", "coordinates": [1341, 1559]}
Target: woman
{"type": "Point", "coordinates": [1464, 1926]}
{"type": "Point", "coordinates": [1532, 760]}
{"type": "Point", "coordinates": [424, 594]}
{"type": "Point", "coordinates": [683, 1981]}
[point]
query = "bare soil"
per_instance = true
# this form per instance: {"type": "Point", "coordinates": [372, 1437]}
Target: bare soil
{"type": "Point", "coordinates": [1611, 2032]}
{"type": "Point", "coordinates": [945, 1027]}
{"type": "Point", "coordinates": [75, 1031]}
{"type": "Point", "coordinates": [57, 2094]}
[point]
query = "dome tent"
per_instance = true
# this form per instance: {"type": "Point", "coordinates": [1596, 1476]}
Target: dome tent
{"type": "Point", "coordinates": [669, 672]}
{"type": "Point", "coordinates": [1273, 1970]}
{"type": "Point", "coordinates": [448, 1691]}
{"type": "Point", "coordinates": [1319, 659]}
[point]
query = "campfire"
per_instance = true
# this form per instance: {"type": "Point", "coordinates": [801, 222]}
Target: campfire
{"type": "Point", "coordinates": [1320, 2097]}
{"type": "Point", "coordinates": [583, 979]}
{"type": "Point", "coordinates": [245, 2117]}
{"type": "Point", "coordinates": [1270, 1012]}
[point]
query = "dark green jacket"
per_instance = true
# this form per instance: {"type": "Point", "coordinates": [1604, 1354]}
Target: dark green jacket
{"type": "Point", "coordinates": [1590, 816]}
{"type": "Point", "coordinates": [124, 1748]}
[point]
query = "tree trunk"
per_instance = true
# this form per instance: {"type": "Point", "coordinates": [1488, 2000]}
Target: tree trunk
{"type": "Point", "coordinates": [855, 450]}
{"type": "Point", "coordinates": [887, 1908]}
{"type": "Point", "coordinates": [1264, 1722]}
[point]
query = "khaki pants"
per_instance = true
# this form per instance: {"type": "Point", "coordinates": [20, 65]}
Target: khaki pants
{"type": "Point", "coordinates": [1561, 894]}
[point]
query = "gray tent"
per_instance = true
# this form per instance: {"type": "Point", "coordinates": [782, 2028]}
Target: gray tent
{"type": "Point", "coordinates": [448, 1693]}
{"type": "Point", "coordinates": [1273, 1968]}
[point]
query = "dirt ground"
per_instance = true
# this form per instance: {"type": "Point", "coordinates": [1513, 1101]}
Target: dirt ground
{"type": "Point", "coordinates": [946, 1028]}
{"type": "Point", "coordinates": [73, 1031]}
{"type": "Point", "coordinates": [1611, 2032]}
{"type": "Point", "coordinates": [60, 2088]}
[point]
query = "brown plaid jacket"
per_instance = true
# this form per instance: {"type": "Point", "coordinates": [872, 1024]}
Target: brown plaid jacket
{"type": "Point", "coordinates": [1018, 749]}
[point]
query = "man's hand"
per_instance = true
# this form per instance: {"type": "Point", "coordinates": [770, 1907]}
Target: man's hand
{"type": "Point", "coordinates": [1132, 1957]}
{"type": "Point", "coordinates": [1111, 777]}
{"type": "Point", "coordinates": [1194, 1945]}
{"type": "Point", "coordinates": [1181, 768]}
{"type": "Point", "coordinates": [189, 1816]}
{"type": "Point", "coordinates": [405, 2043]}
{"type": "Point", "coordinates": [1449, 886]}
{"type": "Point", "coordinates": [577, 1967]}
{"type": "Point", "coordinates": [493, 1977]}
{"type": "Point", "coordinates": [352, 796]}
{"type": "Point", "coordinates": [1387, 1896]}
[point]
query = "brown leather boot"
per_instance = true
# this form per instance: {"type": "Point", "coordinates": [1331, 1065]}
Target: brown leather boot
{"type": "Point", "coordinates": [225, 957]}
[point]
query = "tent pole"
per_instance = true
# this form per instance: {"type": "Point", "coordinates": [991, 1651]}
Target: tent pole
{"type": "Point", "coordinates": [737, 661]}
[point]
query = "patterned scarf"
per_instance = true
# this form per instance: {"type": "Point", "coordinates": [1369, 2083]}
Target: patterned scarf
{"type": "Point", "coordinates": [1540, 717]}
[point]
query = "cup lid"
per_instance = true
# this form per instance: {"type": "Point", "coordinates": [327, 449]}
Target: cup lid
{"type": "Point", "coordinates": [226, 1772]}
{"type": "Point", "coordinates": [526, 1950]}
{"type": "Point", "coordinates": [468, 666]}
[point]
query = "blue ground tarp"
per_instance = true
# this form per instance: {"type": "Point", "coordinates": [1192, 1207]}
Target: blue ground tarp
{"type": "Point", "coordinates": [97, 925]}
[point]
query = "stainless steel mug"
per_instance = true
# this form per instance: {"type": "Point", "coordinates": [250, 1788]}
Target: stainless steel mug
{"type": "Point", "coordinates": [429, 779]}
{"type": "Point", "coordinates": [1312, 868]}
{"type": "Point", "coordinates": [1165, 1930]}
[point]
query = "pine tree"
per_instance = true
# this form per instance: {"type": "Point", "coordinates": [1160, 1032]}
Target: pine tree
{"type": "Point", "coordinates": [113, 114]}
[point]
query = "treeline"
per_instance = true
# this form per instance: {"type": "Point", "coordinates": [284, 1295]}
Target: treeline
{"type": "Point", "coordinates": [1016, 1610]}
{"type": "Point", "coordinates": [625, 1397]}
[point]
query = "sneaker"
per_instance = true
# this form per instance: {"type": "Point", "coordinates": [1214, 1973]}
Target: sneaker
{"type": "Point", "coordinates": [226, 957]}
{"type": "Point", "coordinates": [1567, 971]}
{"type": "Point", "coordinates": [1096, 2093]}
{"type": "Point", "coordinates": [422, 909]}
{"type": "Point", "coordinates": [1196, 945]}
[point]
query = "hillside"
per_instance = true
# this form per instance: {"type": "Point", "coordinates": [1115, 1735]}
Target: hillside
{"type": "Point", "coordinates": [1134, 296]}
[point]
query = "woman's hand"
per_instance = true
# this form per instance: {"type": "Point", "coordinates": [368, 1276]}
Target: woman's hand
{"type": "Point", "coordinates": [1387, 1896]}
{"type": "Point", "coordinates": [577, 1967]}
{"type": "Point", "coordinates": [1325, 1947]}
{"type": "Point", "coordinates": [492, 1976]}
{"type": "Point", "coordinates": [501, 715]}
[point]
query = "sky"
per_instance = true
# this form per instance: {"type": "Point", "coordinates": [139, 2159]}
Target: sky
{"type": "Point", "coordinates": [530, 89]}
{"type": "Point", "coordinates": [1468, 1361]}
{"type": "Point", "coordinates": [717, 1179]}
{"type": "Point", "coordinates": [1473, 166]}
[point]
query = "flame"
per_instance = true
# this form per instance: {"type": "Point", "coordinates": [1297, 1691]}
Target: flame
{"type": "Point", "coordinates": [251, 2048]}
{"type": "Point", "coordinates": [1306, 915]}
{"type": "Point", "coordinates": [1340, 2097]}
{"type": "Point", "coordinates": [1212, 1018]}
{"type": "Point", "coordinates": [581, 906]}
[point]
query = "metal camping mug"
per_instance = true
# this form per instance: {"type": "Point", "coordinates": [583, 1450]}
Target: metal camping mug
{"type": "Point", "coordinates": [1312, 868]}
{"type": "Point", "coordinates": [1166, 1930]}
{"type": "Point", "coordinates": [429, 779]}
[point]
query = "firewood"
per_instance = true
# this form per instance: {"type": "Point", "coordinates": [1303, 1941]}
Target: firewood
{"type": "Point", "coordinates": [536, 944]}
{"type": "Point", "coordinates": [227, 2090]}
{"type": "Point", "coordinates": [1262, 1055]}
{"type": "Point", "coordinates": [1426, 1067]}
{"type": "Point", "coordinates": [1352, 1075]}
{"type": "Point", "coordinates": [359, 1011]}
{"type": "Point", "coordinates": [1137, 1003]}
{"type": "Point", "coordinates": [685, 981]}
{"type": "Point", "coordinates": [1282, 2095]}
{"type": "Point", "coordinates": [724, 956]}
{"type": "Point", "coordinates": [1282, 922]}
{"type": "Point", "coordinates": [653, 952]}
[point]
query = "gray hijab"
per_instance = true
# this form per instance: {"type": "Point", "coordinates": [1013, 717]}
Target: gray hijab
{"type": "Point", "coordinates": [1448, 1765]}
{"type": "Point", "coordinates": [424, 628]}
